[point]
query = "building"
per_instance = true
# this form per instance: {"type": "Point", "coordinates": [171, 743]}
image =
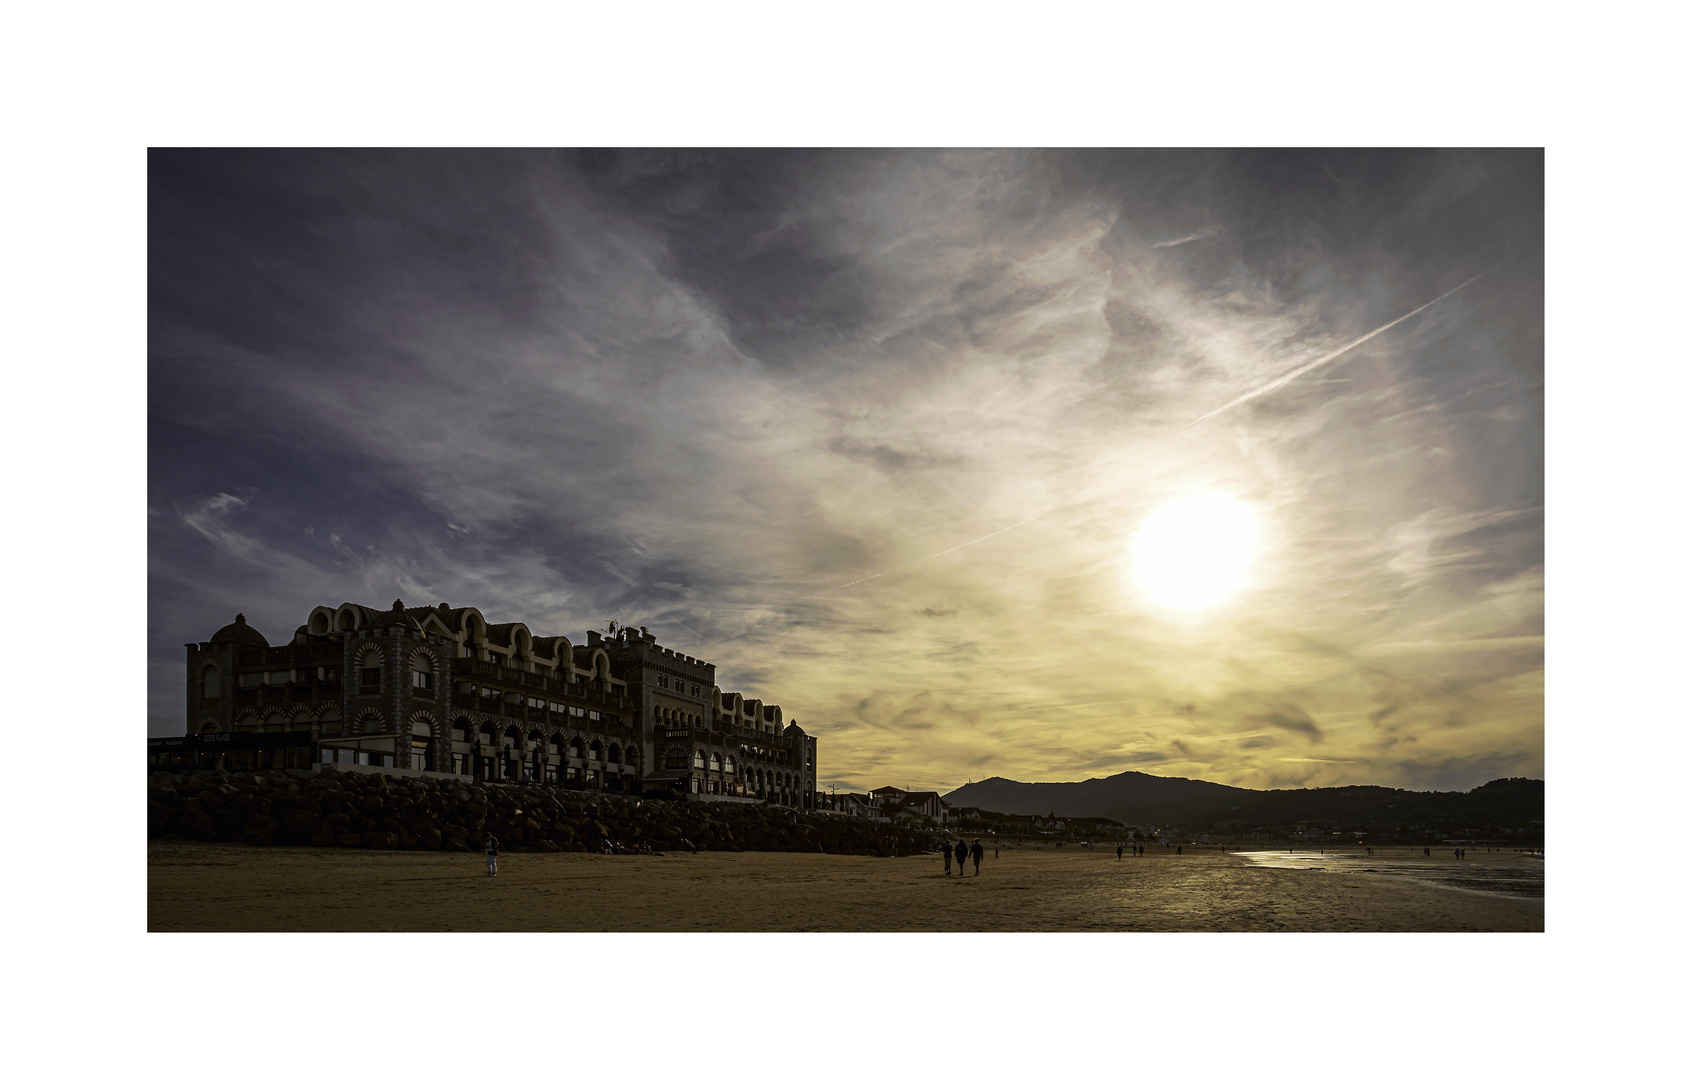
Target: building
{"type": "Point", "coordinates": [896, 802]}
{"type": "Point", "coordinates": [852, 804]}
{"type": "Point", "coordinates": [442, 690]}
{"type": "Point", "coordinates": [705, 742]}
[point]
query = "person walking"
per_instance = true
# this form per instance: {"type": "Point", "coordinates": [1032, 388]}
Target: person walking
{"type": "Point", "coordinates": [491, 848]}
{"type": "Point", "coordinates": [975, 853]}
{"type": "Point", "coordinates": [946, 853]}
{"type": "Point", "coordinates": [1119, 853]}
{"type": "Point", "coordinates": [961, 852]}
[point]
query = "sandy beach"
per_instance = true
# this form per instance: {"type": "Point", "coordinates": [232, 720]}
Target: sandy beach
{"type": "Point", "coordinates": [229, 887]}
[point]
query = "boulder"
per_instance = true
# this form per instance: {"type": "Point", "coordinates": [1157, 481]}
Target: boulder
{"type": "Point", "coordinates": [380, 838]}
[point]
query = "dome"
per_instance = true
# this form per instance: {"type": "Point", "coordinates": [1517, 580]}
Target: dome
{"type": "Point", "coordinates": [240, 633]}
{"type": "Point", "coordinates": [396, 617]}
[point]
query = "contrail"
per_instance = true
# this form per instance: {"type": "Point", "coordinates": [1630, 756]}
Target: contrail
{"type": "Point", "coordinates": [1337, 353]}
{"type": "Point", "coordinates": [1202, 234]}
{"type": "Point", "coordinates": [936, 555]}
{"type": "Point", "coordinates": [1259, 392]}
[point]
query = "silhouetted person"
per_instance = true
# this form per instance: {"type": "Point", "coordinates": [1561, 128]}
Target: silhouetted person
{"type": "Point", "coordinates": [1119, 853]}
{"type": "Point", "coordinates": [1426, 854]}
{"type": "Point", "coordinates": [975, 853]}
{"type": "Point", "coordinates": [491, 848]}
{"type": "Point", "coordinates": [962, 853]}
{"type": "Point", "coordinates": [1177, 849]}
{"type": "Point", "coordinates": [946, 852]}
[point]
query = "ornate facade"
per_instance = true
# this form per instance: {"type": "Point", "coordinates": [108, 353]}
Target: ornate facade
{"type": "Point", "coordinates": [442, 690]}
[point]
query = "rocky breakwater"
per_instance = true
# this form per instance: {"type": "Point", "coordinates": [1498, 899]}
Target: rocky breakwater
{"type": "Point", "coordinates": [362, 810]}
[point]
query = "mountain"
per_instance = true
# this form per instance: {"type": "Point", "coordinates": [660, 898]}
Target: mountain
{"type": "Point", "coordinates": [1136, 798]}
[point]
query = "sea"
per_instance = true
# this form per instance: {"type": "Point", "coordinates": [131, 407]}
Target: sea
{"type": "Point", "coordinates": [1521, 876]}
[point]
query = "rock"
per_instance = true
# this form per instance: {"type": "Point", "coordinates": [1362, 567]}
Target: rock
{"type": "Point", "coordinates": [380, 839]}
{"type": "Point", "coordinates": [321, 835]}
{"type": "Point", "coordinates": [348, 839]}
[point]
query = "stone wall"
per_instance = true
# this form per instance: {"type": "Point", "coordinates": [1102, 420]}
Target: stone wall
{"type": "Point", "coordinates": [346, 809]}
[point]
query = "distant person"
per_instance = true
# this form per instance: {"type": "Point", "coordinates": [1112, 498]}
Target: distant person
{"type": "Point", "coordinates": [1119, 853]}
{"type": "Point", "coordinates": [1177, 849]}
{"type": "Point", "coordinates": [1426, 853]}
{"type": "Point", "coordinates": [976, 851]}
{"type": "Point", "coordinates": [491, 849]}
{"type": "Point", "coordinates": [961, 853]}
{"type": "Point", "coordinates": [946, 853]}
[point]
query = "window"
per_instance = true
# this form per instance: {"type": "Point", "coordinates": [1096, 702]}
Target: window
{"type": "Point", "coordinates": [490, 691]}
{"type": "Point", "coordinates": [664, 681]}
{"type": "Point", "coordinates": [698, 760]}
{"type": "Point", "coordinates": [422, 673]}
{"type": "Point", "coordinates": [695, 689]}
{"type": "Point", "coordinates": [370, 678]}
{"type": "Point", "coordinates": [208, 683]}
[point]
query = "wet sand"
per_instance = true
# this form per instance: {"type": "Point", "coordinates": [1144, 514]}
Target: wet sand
{"type": "Point", "coordinates": [229, 887]}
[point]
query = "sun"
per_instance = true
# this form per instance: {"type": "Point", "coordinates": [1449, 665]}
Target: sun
{"type": "Point", "coordinates": [1195, 552]}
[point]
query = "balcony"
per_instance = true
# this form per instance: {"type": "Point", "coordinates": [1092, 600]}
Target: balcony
{"type": "Point", "coordinates": [288, 693]}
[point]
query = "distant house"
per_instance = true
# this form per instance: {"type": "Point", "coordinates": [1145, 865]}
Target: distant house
{"type": "Point", "coordinates": [852, 804]}
{"type": "Point", "coordinates": [898, 803]}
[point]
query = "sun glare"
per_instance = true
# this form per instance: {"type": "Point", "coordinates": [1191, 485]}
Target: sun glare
{"type": "Point", "coordinates": [1195, 552]}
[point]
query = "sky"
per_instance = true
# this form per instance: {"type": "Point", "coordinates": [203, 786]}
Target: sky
{"type": "Point", "coordinates": [889, 437]}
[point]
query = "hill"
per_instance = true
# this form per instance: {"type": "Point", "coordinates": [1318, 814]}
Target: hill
{"type": "Point", "coordinates": [1500, 808]}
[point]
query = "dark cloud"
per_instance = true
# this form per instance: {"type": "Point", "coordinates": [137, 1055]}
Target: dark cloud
{"type": "Point", "coordinates": [1291, 718]}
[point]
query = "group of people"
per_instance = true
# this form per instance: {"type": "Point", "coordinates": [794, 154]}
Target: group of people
{"type": "Point", "coordinates": [964, 853]}
{"type": "Point", "coordinates": [1135, 850]}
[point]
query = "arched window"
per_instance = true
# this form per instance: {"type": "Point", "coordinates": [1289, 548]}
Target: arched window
{"type": "Point", "coordinates": [698, 759]}
{"type": "Point", "coordinates": [716, 763]}
{"type": "Point", "coordinates": [614, 755]}
{"type": "Point", "coordinates": [595, 751]}
{"type": "Point", "coordinates": [208, 683]}
{"type": "Point", "coordinates": [728, 766]}
{"type": "Point", "coordinates": [422, 673]}
{"type": "Point", "coordinates": [370, 673]}
{"type": "Point", "coordinates": [320, 623]}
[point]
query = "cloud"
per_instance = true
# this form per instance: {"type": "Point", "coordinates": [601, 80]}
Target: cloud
{"type": "Point", "coordinates": [210, 520]}
{"type": "Point", "coordinates": [872, 432]}
{"type": "Point", "coordinates": [1202, 234]}
{"type": "Point", "coordinates": [1292, 718]}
